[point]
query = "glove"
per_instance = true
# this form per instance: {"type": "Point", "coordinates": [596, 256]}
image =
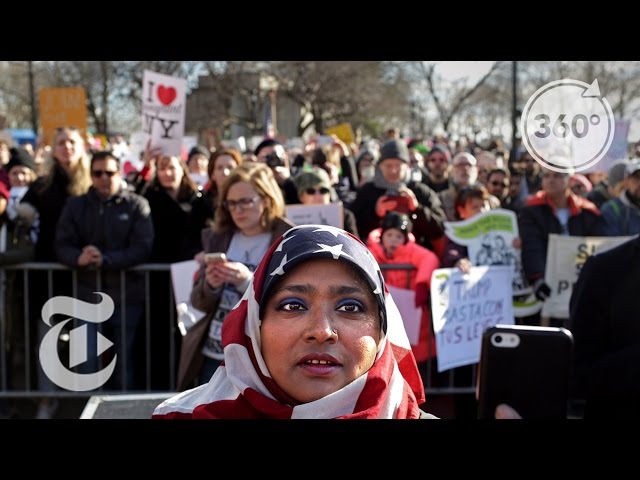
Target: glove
{"type": "Point", "coordinates": [541, 290]}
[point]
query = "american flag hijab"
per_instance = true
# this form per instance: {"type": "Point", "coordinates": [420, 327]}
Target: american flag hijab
{"type": "Point", "coordinates": [243, 388]}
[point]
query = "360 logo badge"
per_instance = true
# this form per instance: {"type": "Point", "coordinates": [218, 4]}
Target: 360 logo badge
{"type": "Point", "coordinates": [567, 125]}
{"type": "Point", "coordinates": [57, 372]}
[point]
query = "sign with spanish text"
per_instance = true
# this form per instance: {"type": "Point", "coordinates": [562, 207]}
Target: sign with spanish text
{"type": "Point", "coordinates": [62, 107]}
{"type": "Point", "coordinates": [330, 214]}
{"type": "Point", "coordinates": [464, 305]}
{"type": "Point", "coordinates": [565, 257]}
{"type": "Point", "coordinates": [163, 111]}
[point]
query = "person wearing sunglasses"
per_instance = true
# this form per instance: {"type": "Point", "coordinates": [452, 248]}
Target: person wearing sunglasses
{"type": "Point", "coordinates": [248, 219]}
{"type": "Point", "coordinates": [314, 188]}
{"type": "Point", "coordinates": [108, 228]}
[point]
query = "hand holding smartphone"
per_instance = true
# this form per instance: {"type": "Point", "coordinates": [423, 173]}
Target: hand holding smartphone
{"type": "Point", "coordinates": [214, 257]}
{"type": "Point", "coordinates": [527, 368]}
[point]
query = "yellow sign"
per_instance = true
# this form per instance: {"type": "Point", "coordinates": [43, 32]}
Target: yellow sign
{"type": "Point", "coordinates": [62, 107]}
{"type": "Point", "coordinates": [343, 131]}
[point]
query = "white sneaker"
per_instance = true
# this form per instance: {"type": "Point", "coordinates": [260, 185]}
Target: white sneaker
{"type": "Point", "coordinates": [47, 410]}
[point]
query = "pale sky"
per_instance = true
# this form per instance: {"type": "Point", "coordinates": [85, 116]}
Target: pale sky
{"type": "Point", "coordinates": [455, 70]}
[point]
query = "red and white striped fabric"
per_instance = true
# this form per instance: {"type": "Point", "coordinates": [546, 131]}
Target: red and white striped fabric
{"type": "Point", "coordinates": [243, 388]}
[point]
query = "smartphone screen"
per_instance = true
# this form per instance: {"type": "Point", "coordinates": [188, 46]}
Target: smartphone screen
{"type": "Point", "coordinates": [527, 368]}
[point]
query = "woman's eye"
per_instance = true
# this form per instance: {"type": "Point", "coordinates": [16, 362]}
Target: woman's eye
{"type": "Point", "coordinates": [352, 307]}
{"type": "Point", "coordinates": [291, 305]}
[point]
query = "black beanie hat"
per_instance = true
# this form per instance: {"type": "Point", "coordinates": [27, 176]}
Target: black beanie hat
{"type": "Point", "coordinates": [20, 157]}
{"type": "Point", "coordinates": [398, 220]}
{"type": "Point", "coordinates": [394, 149]}
{"type": "Point", "coordinates": [198, 150]}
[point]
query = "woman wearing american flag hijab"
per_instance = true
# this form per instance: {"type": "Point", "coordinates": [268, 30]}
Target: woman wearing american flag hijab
{"type": "Point", "coordinates": [316, 335]}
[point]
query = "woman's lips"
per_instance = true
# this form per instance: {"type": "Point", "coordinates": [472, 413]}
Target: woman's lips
{"type": "Point", "coordinates": [320, 364]}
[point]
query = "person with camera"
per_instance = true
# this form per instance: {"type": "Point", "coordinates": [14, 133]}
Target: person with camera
{"type": "Point", "coordinates": [272, 153]}
{"type": "Point", "coordinates": [392, 190]}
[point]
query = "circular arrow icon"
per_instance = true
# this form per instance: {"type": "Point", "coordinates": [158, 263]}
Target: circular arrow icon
{"type": "Point", "coordinates": [567, 125]}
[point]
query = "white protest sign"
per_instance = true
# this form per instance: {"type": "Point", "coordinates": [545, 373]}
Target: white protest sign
{"type": "Point", "coordinates": [182, 275]}
{"type": "Point", "coordinates": [411, 315]}
{"type": "Point", "coordinates": [330, 214]}
{"type": "Point", "coordinates": [464, 306]}
{"type": "Point", "coordinates": [163, 111]}
{"type": "Point", "coordinates": [565, 257]}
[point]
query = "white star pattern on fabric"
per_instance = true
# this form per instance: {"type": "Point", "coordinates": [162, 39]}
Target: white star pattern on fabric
{"type": "Point", "coordinates": [336, 250]}
{"type": "Point", "coordinates": [279, 270]}
{"type": "Point", "coordinates": [332, 230]}
{"type": "Point", "coordinates": [284, 240]}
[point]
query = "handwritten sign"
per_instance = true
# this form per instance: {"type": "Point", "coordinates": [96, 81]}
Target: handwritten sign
{"type": "Point", "coordinates": [330, 214]}
{"type": "Point", "coordinates": [464, 306]}
{"type": "Point", "coordinates": [62, 107]}
{"type": "Point", "coordinates": [565, 257]}
{"type": "Point", "coordinates": [163, 111]}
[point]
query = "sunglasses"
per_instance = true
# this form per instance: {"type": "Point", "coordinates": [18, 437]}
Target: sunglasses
{"type": "Point", "coordinates": [313, 191]}
{"type": "Point", "coordinates": [499, 184]}
{"type": "Point", "coordinates": [100, 173]}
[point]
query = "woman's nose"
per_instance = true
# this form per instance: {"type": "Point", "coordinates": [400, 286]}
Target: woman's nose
{"type": "Point", "coordinates": [320, 328]}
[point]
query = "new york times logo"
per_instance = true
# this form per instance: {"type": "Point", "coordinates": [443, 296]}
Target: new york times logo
{"type": "Point", "coordinates": [57, 372]}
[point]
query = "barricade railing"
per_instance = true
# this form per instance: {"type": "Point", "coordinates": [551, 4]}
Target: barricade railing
{"type": "Point", "coordinates": [19, 340]}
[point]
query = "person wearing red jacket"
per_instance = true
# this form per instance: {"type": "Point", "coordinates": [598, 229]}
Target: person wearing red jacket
{"type": "Point", "coordinates": [393, 243]}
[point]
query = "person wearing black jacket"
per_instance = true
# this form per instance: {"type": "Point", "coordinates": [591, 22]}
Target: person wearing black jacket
{"type": "Point", "coordinates": [390, 190]}
{"type": "Point", "coordinates": [603, 320]}
{"type": "Point", "coordinates": [109, 229]}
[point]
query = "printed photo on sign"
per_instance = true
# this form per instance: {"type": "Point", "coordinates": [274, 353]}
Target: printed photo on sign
{"type": "Point", "coordinates": [489, 239]}
{"type": "Point", "coordinates": [464, 306]}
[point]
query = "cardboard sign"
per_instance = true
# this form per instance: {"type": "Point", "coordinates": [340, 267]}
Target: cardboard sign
{"type": "Point", "coordinates": [62, 107]}
{"type": "Point", "coordinates": [330, 214]}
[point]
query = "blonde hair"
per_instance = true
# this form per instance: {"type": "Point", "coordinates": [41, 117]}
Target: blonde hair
{"type": "Point", "coordinates": [79, 174]}
{"type": "Point", "coordinates": [260, 177]}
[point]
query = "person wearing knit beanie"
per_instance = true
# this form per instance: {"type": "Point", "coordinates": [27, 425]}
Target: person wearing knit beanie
{"type": "Point", "coordinates": [394, 149]}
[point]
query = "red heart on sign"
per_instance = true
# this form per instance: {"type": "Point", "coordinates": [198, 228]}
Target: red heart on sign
{"type": "Point", "coordinates": [166, 95]}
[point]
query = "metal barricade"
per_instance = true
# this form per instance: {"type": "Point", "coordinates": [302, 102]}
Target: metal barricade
{"type": "Point", "coordinates": [19, 362]}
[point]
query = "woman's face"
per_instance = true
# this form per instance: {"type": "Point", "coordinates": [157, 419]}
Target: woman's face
{"type": "Point", "coordinates": [68, 148]}
{"type": "Point", "coordinates": [319, 336]}
{"type": "Point", "coordinates": [246, 208]}
{"type": "Point", "coordinates": [169, 173]}
{"type": "Point", "coordinates": [222, 168]}
{"type": "Point", "coordinates": [316, 195]}
{"type": "Point", "coordinates": [473, 206]}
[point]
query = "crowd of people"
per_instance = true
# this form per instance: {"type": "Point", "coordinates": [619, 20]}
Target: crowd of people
{"type": "Point", "coordinates": [80, 209]}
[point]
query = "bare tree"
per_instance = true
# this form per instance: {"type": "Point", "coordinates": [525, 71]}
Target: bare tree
{"type": "Point", "coordinates": [334, 92]}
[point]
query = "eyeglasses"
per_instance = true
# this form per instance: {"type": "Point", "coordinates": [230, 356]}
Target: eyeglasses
{"type": "Point", "coordinates": [313, 191]}
{"type": "Point", "coordinates": [100, 173]}
{"type": "Point", "coordinates": [499, 184]}
{"type": "Point", "coordinates": [242, 203]}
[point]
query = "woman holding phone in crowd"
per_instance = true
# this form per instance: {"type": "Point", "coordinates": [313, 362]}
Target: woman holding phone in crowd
{"type": "Point", "coordinates": [249, 217]}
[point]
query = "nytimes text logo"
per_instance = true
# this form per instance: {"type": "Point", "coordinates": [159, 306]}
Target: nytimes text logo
{"type": "Point", "coordinates": [57, 372]}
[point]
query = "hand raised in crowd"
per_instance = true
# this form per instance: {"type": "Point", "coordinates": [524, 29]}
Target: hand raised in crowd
{"type": "Point", "coordinates": [464, 264]}
{"type": "Point", "coordinates": [281, 174]}
{"type": "Point", "coordinates": [151, 154]}
{"type": "Point", "coordinates": [542, 290]}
